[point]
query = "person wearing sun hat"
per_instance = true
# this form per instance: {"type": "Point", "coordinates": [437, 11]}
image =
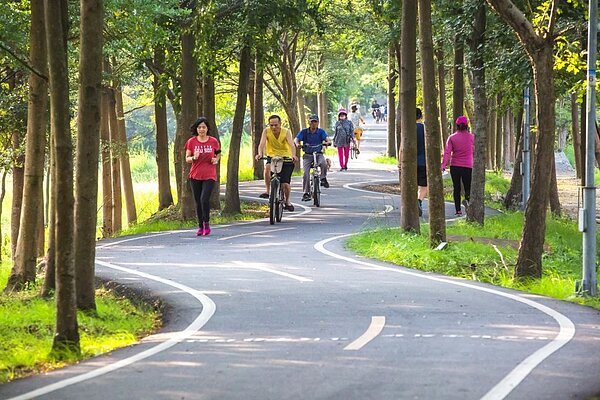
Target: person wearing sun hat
{"type": "Point", "coordinates": [344, 135]}
{"type": "Point", "coordinates": [458, 153]}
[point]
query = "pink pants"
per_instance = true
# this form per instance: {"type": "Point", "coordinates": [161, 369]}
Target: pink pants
{"type": "Point", "coordinates": [343, 154]}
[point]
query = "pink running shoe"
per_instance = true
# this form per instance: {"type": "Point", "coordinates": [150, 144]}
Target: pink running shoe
{"type": "Point", "coordinates": [206, 229]}
{"type": "Point", "coordinates": [200, 231]}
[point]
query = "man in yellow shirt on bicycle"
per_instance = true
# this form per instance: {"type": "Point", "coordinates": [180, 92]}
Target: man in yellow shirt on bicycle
{"type": "Point", "coordinates": [277, 141]}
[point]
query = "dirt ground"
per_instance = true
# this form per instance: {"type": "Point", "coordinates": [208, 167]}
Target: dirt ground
{"type": "Point", "coordinates": [568, 192]}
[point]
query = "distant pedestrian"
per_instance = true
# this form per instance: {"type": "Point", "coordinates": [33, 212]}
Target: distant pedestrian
{"type": "Point", "coordinates": [344, 135]}
{"type": "Point", "coordinates": [357, 120]}
{"type": "Point", "coordinates": [459, 154]}
{"type": "Point", "coordinates": [421, 161]}
{"type": "Point", "coordinates": [203, 152]}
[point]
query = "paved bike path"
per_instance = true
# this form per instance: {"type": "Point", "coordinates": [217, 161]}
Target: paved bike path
{"type": "Point", "coordinates": [285, 312]}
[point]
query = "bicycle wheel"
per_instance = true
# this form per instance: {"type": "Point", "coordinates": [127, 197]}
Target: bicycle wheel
{"type": "Point", "coordinates": [316, 191]}
{"type": "Point", "coordinates": [273, 201]}
{"type": "Point", "coordinates": [279, 207]}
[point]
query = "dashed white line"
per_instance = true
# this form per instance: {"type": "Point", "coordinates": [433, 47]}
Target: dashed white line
{"type": "Point", "coordinates": [525, 367]}
{"type": "Point", "coordinates": [377, 324]}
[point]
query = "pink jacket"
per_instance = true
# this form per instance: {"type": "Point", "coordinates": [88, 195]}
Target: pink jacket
{"type": "Point", "coordinates": [459, 150]}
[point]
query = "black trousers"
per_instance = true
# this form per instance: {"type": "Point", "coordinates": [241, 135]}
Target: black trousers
{"type": "Point", "coordinates": [458, 175]}
{"type": "Point", "coordinates": [202, 191]}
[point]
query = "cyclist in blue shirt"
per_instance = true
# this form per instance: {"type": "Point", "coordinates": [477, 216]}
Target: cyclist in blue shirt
{"type": "Point", "coordinates": [313, 138]}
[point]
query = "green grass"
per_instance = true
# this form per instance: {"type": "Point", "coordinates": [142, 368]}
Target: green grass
{"type": "Point", "coordinates": [476, 260]}
{"type": "Point", "coordinates": [27, 328]}
{"type": "Point", "coordinates": [385, 160]}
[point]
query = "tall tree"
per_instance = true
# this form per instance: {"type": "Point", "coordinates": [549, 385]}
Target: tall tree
{"type": "Point", "coordinates": [409, 213]}
{"type": "Point", "coordinates": [165, 197]}
{"type": "Point", "coordinates": [476, 209]}
{"type": "Point", "coordinates": [56, 22]}
{"type": "Point", "coordinates": [123, 154]}
{"type": "Point", "coordinates": [25, 256]}
{"type": "Point", "coordinates": [437, 211]}
{"type": "Point", "coordinates": [88, 145]}
{"type": "Point", "coordinates": [188, 116]}
{"type": "Point", "coordinates": [232, 194]}
{"type": "Point", "coordinates": [539, 44]}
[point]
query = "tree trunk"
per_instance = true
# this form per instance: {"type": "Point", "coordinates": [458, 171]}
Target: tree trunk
{"type": "Point", "coordinates": [165, 197]}
{"type": "Point", "coordinates": [576, 134]}
{"type": "Point", "coordinates": [391, 121]}
{"type": "Point", "coordinates": [553, 195]}
{"type": "Point", "coordinates": [398, 106]}
{"type": "Point", "coordinates": [499, 135]}
{"type": "Point", "coordinates": [67, 334]}
{"type": "Point", "coordinates": [493, 116]}
{"type": "Point", "coordinates": [258, 117]}
{"type": "Point", "coordinates": [442, 93]}
{"type": "Point", "coordinates": [476, 209]}
{"type": "Point", "coordinates": [2, 195]}
{"type": "Point", "coordinates": [126, 180]}
{"type": "Point", "coordinates": [107, 201]}
{"type": "Point", "coordinates": [232, 194]}
{"type": "Point", "coordinates": [437, 213]}
{"type": "Point", "coordinates": [188, 116]}
{"type": "Point", "coordinates": [322, 111]}
{"type": "Point", "coordinates": [25, 256]}
{"type": "Point", "coordinates": [115, 155]}
{"type": "Point", "coordinates": [88, 145]}
{"type": "Point", "coordinates": [506, 153]}
{"type": "Point", "coordinates": [529, 262]}
{"type": "Point", "coordinates": [208, 111]}
{"type": "Point", "coordinates": [458, 93]}
{"type": "Point", "coordinates": [515, 191]}
{"type": "Point", "coordinates": [409, 215]}
{"type": "Point", "coordinates": [49, 285]}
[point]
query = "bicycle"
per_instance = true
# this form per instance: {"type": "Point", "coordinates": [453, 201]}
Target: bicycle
{"type": "Point", "coordinates": [315, 180]}
{"type": "Point", "coordinates": [276, 196]}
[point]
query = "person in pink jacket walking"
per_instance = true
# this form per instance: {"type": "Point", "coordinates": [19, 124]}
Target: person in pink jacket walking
{"type": "Point", "coordinates": [459, 154]}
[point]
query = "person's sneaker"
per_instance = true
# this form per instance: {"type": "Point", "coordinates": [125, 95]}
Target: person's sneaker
{"type": "Point", "coordinates": [306, 197]}
{"type": "Point", "coordinates": [420, 207]}
{"type": "Point", "coordinates": [264, 195]}
{"type": "Point", "coordinates": [324, 182]}
{"type": "Point", "coordinates": [288, 207]}
{"type": "Point", "coordinates": [206, 229]}
{"type": "Point", "coordinates": [341, 169]}
{"type": "Point", "coordinates": [458, 214]}
{"type": "Point", "coordinates": [200, 232]}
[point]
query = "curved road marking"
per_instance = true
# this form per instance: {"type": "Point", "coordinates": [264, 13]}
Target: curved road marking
{"type": "Point", "coordinates": [525, 367]}
{"type": "Point", "coordinates": [377, 324]}
{"type": "Point", "coordinates": [255, 233]}
{"type": "Point", "coordinates": [208, 309]}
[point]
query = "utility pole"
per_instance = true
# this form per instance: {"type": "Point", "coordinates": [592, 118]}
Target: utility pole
{"type": "Point", "coordinates": [587, 215]}
{"type": "Point", "coordinates": [526, 162]}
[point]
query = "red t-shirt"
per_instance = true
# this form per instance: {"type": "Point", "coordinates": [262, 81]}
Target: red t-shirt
{"type": "Point", "coordinates": [202, 169]}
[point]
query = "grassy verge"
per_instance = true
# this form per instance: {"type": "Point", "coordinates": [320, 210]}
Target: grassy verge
{"type": "Point", "coordinates": [27, 328]}
{"type": "Point", "coordinates": [27, 321]}
{"type": "Point", "coordinates": [490, 261]}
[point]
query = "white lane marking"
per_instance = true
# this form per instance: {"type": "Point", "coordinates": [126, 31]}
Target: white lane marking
{"type": "Point", "coordinates": [377, 324]}
{"type": "Point", "coordinates": [255, 233]}
{"type": "Point", "coordinates": [236, 264]}
{"type": "Point", "coordinates": [388, 209]}
{"type": "Point", "coordinates": [208, 309]}
{"type": "Point", "coordinates": [525, 367]}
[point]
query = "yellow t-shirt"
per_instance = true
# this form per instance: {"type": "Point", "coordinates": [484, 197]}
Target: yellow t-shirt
{"type": "Point", "coordinates": [278, 146]}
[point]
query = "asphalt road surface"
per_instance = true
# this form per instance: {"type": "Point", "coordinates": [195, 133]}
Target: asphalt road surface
{"type": "Point", "coordinates": [256, 311]}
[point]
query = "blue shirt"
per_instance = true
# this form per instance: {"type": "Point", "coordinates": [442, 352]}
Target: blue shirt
{"type": "Point", "coordinates": [313, 139]}
{"type": "Point", "coordinates": [421, 145]}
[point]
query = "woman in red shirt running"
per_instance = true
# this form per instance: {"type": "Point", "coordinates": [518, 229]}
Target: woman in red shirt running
{"type": "Point", "coordinates": [203, 152]}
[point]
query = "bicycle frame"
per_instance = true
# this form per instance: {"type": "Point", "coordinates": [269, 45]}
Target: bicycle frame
{"type": "Point", "coordinates": [315, 178]}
